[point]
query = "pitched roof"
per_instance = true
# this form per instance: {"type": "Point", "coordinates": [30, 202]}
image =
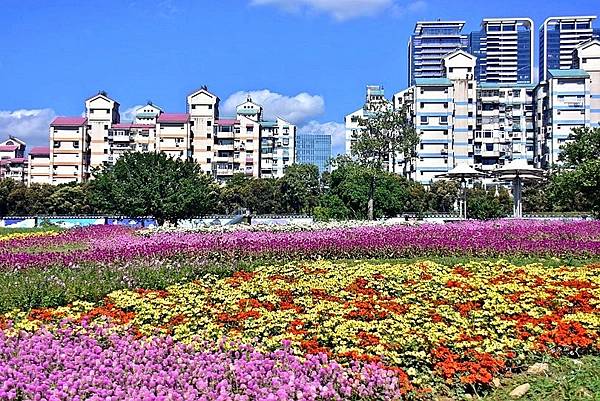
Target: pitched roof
{"type": "Point", "coordinates": [14, 160]}
{"type": "Point", "coordinates": [569, 73]}
{"type": "Point", "coordinates": [68, 122]}
{"type": "Point", "coordinates": [173, 118]}
{"type": "Point", "coordinates": [8, 148]}
{"type": "Point", "coordinates": [40, 151]}
{"type": "Point", "coordinates": [227, 121]}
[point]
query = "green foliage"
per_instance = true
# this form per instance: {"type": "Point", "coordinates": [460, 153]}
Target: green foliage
{"type": "Point", "coordinates": [442, 196]}
{"type": "Point", "coordinates": [485, 204]}
{"type": "Point", "coordinates": [300, 188]}
{"type": "Point", "coordinates": [16, 199]}
{"type": "Point", "coordinates": [579, 176]}
{"type": "Point", "coordinates": [153, 184]}
{"type": "Point", "coordinates": [331, 207]}
{"type": "Point", "coordinates": [258, 195]}
{"type": "Point", "coordinates": [349, 185]}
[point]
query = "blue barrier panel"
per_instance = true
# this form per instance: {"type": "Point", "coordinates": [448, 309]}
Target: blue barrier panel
{"type": "Point", "coordinates": [70, 222]}
{"type": "Point", "coordinates": [17, 222]}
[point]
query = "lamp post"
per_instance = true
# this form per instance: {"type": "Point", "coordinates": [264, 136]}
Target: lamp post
{"type": "Point", "coordinates": [462, 172]}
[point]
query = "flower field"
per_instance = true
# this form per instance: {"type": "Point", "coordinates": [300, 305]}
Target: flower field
{"type": "Point", "coordinates": [314, 316]}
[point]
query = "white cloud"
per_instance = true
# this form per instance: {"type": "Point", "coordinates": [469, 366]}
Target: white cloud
{"type": "Point", "coordinates": [128, 115]}
{"type": "Point", "coordinates": [30, 126]}
{"type": "Point", "coordinates": [344, 9]}
{"type": "Point", "coordinates": [335, 129]}
{"type": "Point", "coordinates": [296, 109]}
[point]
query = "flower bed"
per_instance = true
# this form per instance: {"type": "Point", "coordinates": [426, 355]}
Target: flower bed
{"type": "Point", "coordinates": [442, 325]}
{"type": "Point", "coordinates": [108, 244]}
{"type": "Point", "coordinates": [102, 366]}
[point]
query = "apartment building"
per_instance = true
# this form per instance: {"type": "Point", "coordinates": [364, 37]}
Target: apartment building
{"type": "Point", "coordinates": [246, 143]}
{"type": "Point", "coordinates": [203, 108]}
{"type": "Point", "coordinates": [504, 50]}
{"type": "Point", "coordinates": [443, 110]}
{"type": "Point", "coordinates": [374, 101]}
{"type": "Point", "coordinates": [70, 150]}
{"type": "Point", "coordinates": [429, 44]}
{"type": "Point", "coordinates": [38, 166]}
{"type": "Point", "coordinates": [504, 129]}
{"type": "Point", "coordinates": [568, 99]}
{"type": "Point", "coordinates": [101, 113]}
{"type": "Point", "coordinates": [558, 38]}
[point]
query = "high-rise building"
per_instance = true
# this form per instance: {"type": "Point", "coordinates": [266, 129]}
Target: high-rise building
{"type": "Point", "coordinates": [314, 148]}
{"type": "Point", "coordinates": [558, 38]}
{"type": "Point", "coordinates": [430, 42]}
{"type": "Point", "coordinates": [39, 165]}
{"type": "Point", "coordinates": [504, 50]}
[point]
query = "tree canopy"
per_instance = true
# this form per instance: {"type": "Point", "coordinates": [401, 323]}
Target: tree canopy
{"type": "Point", "coordinates": [153, 184]}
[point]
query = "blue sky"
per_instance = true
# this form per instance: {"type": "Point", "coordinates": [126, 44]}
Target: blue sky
{"type": "Point", "coordinates": [307, 60]}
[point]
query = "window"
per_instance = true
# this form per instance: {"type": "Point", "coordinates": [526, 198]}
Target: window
{"type": "Point", "coordinates": [445, 105]}
{"type": "Point", "coordinates": [105, 126]}
{"type": "Point", "coordinates": [76, 144]}
{"type": "Point", "coordinates": [209, 123]}
{"type": "Point", "coordinates": [56, 144]}
{"type": "Point", "coordinates": [424, 120]}
{"type": "Point", "coordinates": [208, 160]}
{"type": "Point", "coordinates": [105, 151]}
{"type": "Point", "coordinates": [489, 147]}
{"type": "Point", "coordinates": [451, 69]}
{"type": "Point", "coordinates": [193, 106]}
{"type": "Point", "coordinates": [210, 106]}
{"type": "Point", "coordinates": [444, 120]}
{"type": "Point", "coordinates": [208, 148]}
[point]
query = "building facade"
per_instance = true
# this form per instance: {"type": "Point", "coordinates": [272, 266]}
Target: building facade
{"type": "Point", "coordinates": [429, 44]}
{"type": "Point", "coordinates": [246, 143]}
{"type": "Point", "coordinates": [568, 99]}
{"type": "Point", "coordinates": [38, 166]}
{"type": "Point", "coordinates": [314, 148]}
{"type": "Point", "coordinates": [374, 100]}
{"type": "Point", "coordinates": [504, 50]}
{"type": "Point", "coordinates": [558, 38]}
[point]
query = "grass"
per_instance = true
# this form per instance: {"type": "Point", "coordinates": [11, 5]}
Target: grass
{"type": "Point", "coordinates": [7, 230]}
{"type": "Point", "coordinates": [566, 380]}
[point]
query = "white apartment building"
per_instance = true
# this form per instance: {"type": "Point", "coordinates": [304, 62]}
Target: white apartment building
{"type": "Point", "coordinates": [443, 111]}
{"type": "Point", "coordinates": [568, 99]}
{"type": "Point", "coordinates": [504, 128]}
{"type": "Point", "coordinates": [69, 150]}
{"type": "Point", "coordinates": [374, 100]}
{"type": "Point", "coordinates": [173, 135]}
{"type": "Point", "coordinates": [558, 38]}
{"type": "Point", "coordinates": [38, 166]}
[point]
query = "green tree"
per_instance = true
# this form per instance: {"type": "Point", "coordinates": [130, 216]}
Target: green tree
{"type": "Point", "coordinates": [263, 196]}
{"type": "Point", "coordinates": [442, 196]}
{"type": "Point", "coordinates": [153, 184]}
{"type": "Point", "coordinates": [485, 204]}
{"type": "Point", "coordinates": [70, 200]}
{"type": "Point", "coordinates": [300, 188]}
{"type": "Point", "coordinates": [6, 187]}
{"type": "Point", "coordinates": [384, 136]}
{"type": "Point", "coordinates": [234, 194]}
{"type": "Point", "coordinates": [579, 175]}
{"type": "Point", "coordinates": [349, 184]}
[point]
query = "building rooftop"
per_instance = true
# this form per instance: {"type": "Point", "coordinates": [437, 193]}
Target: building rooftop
{"type": "Point", "coordinates": [40, 151]}
{"type": "Point", "coordinates": [69, 121]}
{"type": "Point", "coordinates": [422, 24]}
{"type": "Point", "coordinates": [568, 73]}
{"type": "Point", "coordinates": [501, 85]}
{"type": "Point", "coordinates": [433, 82]}
{"type": "Point", "coordinates": [173, 118]}
{"type": "Point", "coordinates": [14, 160]}
{"type": "Point", "coordinates": [8, 148]}
{"type": "Point", "coordinates": [131, 125]}
{"type": "Point", "coordinates": [227, 121]}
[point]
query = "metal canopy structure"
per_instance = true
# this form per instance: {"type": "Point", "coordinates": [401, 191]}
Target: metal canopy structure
{"type": "Point", "coordinates": [518, 171]}
{"type": "Point", "coordinates": [462, 172]}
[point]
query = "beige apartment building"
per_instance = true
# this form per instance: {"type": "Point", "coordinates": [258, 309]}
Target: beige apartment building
{"type": "Point", "coordinates": [38, 166]}
{"type": "Point", "coordinates": [245, 143]}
